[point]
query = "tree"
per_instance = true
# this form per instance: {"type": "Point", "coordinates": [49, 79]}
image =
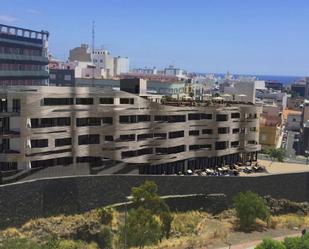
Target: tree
{"type": "Point", "coordinates": [270, 244]}
{"type": "Point", "coordinates": [142, 228]}
{"type": "Point", "coordinates": [146, 196]}
{"type": "Point", "coordinates": [278, 154]}
{"type": "Point", "coordinates": [297, 242]}
{"type": "Point", "coordinates": [249, 206]}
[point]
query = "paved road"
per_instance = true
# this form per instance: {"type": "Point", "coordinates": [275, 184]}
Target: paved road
{"type": "Point", "coordinates": [290, 151]}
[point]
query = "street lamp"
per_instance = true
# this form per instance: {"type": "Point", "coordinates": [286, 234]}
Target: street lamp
{"type": "Point", "coordinates": [128, 199]}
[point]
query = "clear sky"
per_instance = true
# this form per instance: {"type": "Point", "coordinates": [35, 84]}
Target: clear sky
{"type": "Point", "coordinates": [243, 36]}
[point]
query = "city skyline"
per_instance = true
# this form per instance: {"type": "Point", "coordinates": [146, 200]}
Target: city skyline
{"type": "Point", "coordinates": [246, 38]}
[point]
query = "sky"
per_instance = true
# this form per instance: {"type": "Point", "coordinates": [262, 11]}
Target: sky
{"type": "Point", "coordinates": [265, 37]}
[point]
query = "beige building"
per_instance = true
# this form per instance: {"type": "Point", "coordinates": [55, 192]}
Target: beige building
{"type": "Point", "coordinates": [46, 127]}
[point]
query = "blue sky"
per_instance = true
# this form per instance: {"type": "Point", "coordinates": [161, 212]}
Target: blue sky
{"type": "Point", "coordinates": [268, 37]}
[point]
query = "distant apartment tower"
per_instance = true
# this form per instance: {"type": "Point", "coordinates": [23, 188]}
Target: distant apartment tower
{"type": "Point", "coordinates": [121, 65]}
{"type": "Point", "coordinates": [23, 56]}
{"type": "Point", "coordinates": [307, 88]}
{"type": "Point", "coordinates": [81, 53]}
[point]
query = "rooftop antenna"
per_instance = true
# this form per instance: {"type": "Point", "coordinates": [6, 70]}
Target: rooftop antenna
{"type": "Point", "coordinates": [93, 35]}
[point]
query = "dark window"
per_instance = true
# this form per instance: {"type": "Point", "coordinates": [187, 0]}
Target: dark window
{"type": "Point", "coordinates": [58, 101]}
{"type": "Point", "coordinates": [107, 120]}
{"type": "Point", "coordinates": [128, 119]}
{"type": "Point", "coordinates": [207, 131]}
{"type": "Point", "coordinates": [198, 116]}
{"type": "Point", "coordinates": [39, 143]}
{"type": "Point", "coordinates": [63, 121]}
{"type": "Point", "coordinates": [252, 142]}
{"type": "Point", "coordinates": [236, 130]}
{"type": "Point", "coordinates": [160, 135]}
{"type": "Point", "coordinates": [127, 137]}
{"type": "Point", "coordinates": [7, 166]}
{"type": "Point", "coordinates": [88, 122]}
{"type": "Point", "coordinates": [194, 133]}
{"type": "Point", "coordinates": [252, 129]}
{"type": "Point", "coordinates": [109, 138]}
{"type": "Point", "coordinates": [223, 130]}
{"type": "Point", "coordinates": [171, 150]}
{"type": "Point", "coordinates": [221, 145]}
{"type": "Point", "coordinates": [144, 136]}
{"type": "Point", "coordinates": [89, 139]}
{"type": "Point", "coordinates": [107, 101]}
{"type": "Point", "coordinates": [170, 119]}
{"type": "Point", "coordinates": [143, 118]}
{"type": "Point", "coordinates": [200, 147]}
{"type": "Point", "coordinates": [127, 101]}
{"type": "Point", "coordinates": [84, 101]}
{"type": "Point", "coordinates": [234, 144]}
{"type": "Point", "coordinates": [235, 115]}
{"type": "Point", "coordinates": [130, 153]}
{"type": "Point", "coordinates": [145, 151]}
{"type": "Point", "coordinates": [161, 151]}
{"type": "Point", "coordinates": [63, 141]}
{"type": "Point", "coordinates": [16, 105]}
{"type": "Point", "coordinates": [176, 134]}
{"type": "Point", "coordinates": [222, 117]}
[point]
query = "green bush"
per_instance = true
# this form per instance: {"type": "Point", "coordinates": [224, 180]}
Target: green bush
{"type": "Point", "coordinates": [270, 244]}
{"type": "Point", "coordinates": [297, 242]}
{"type": "Point", "coordinates": [106, 215]}
{"type": "Point", "coordinates": [249, 206]}
{"type": "Point", "coordinates": [18, 243]}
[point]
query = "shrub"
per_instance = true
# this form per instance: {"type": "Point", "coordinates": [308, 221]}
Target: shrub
{"type": "Point", "coordinates": [106, 215]}
{"type": "Point", "coordinates": [270, 244]}
{"type": "Point", "coordinates": [16, 243]}
{"type": "Point", "coordinates": [249, 206]}
{"type": "Point", "coordinates": [297, 242]}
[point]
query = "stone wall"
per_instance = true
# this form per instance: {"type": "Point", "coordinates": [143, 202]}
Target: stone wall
{"type": "Point", "coordinates": [20, 202]}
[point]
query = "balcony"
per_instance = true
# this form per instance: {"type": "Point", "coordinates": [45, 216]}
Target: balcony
{"type": "Point", "coordinates": [39, 74]}
{"type": "Point", "coordinates": [21, 57]}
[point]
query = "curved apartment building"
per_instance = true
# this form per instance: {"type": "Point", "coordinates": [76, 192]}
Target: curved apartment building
{"type": "Point", "coordinates": [42, 127]}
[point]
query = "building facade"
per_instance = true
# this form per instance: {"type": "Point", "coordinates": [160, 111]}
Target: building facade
{"type": "Point", "coordinates": [23, 56]}
{"type": "Point", "coordinates": [44, 127]}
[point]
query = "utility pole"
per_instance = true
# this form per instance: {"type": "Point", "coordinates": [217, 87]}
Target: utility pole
{"type": "Point", "coordinates": [92, 55]}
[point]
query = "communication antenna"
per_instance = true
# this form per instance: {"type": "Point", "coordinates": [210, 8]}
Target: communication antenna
{"type": "Point", "coordinates": [93, 35]}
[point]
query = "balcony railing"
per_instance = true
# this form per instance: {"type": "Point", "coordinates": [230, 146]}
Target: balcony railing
{"type": "Point", "coordinates": [21, 57]}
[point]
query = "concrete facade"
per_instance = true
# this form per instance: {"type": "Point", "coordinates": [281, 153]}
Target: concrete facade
{"type": "Point", "coordinates": [63, 125]}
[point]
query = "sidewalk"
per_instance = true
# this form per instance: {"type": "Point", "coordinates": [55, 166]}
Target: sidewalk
{"type": "Point", "coordinates": [252, 244]}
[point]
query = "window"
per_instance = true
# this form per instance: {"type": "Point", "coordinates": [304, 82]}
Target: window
{"type": "Point", "coordinates": [143, 118]}
{"type": "Point", "coordinates": [107, 120]}
{"type": "Point", "coordinates": [109, 138]}
{"type": "Point", "coordinates": [63, 141]}
{"type": "Point", "coordinates": [144, 136]}
{"type": "Point", "coordinates": [134, 118]}
{"type": "Point", "coordinates": [89, 139]}
{"type": "Point", "coordinates": [194, 133]}
{"type": "Point", "coordinates": [252, 129]}
{"type": "Point", "coordinates": [39, 143]}
{"type": "Point", "coordinates": [171, 150]}
{"type": "Point", "coordinates": [134, 153]}
{"type": "Point", "coordinates": [207, 131]}
{"type": "Point", "coordinates": [200, 147]}
{"type": "Point", "coordinates": [107, 101]}
{"type": "Point", "coordinates": [67, 77]}
{"type": "Point", "coordinates": [252, 142]}
{"type": "Point", "coordinates": [235, 131]}
{"type": "Point", "coordinates": [235, 115]}
{"type": "Point", "coordinates": [222, 117]}
{"type": "Point", "coordinates": [199, 116]}
{"type": "Point", "coordinates": [84, 101]}
{"type": "Point", "coordinates": [88, 122]}
{"type": "Point", "coordinates": [176, 134]}
{"type": "Point", "coordinates": [57, 101]}
{"type": "Point", "coordinates": [223, 130]}
{"type": "Point", "coordinates": [49, 122]}
{"type": "Point", "coordinates": [221, 145]}
{"type": "Point", "coordinates": [127, 137]}
{"type": "Point", "coordinates": [160, 135]}
{"type": "Point", "coordinates": [145, 151]}
{"type": "Point", "coordinates": [170, 119]}
{"type": "Point", "coordinates": [127, 101]}
{"type": "Point", "coordinates": [16, 105]}
{"type": "Point", "coordinates": [235, 144]}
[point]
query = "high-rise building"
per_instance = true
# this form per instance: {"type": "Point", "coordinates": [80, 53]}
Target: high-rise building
{"type": "Point", "coordinates": [23, 56]}
{"type": "Point", "coordinates": [121, 65]}
{"type": "Point", "coordinates": [46, 127]}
